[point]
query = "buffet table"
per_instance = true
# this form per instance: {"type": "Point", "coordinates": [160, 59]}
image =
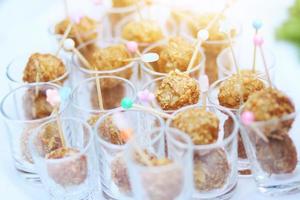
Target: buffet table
{"type": "Point", "coordinates": [24, 26]}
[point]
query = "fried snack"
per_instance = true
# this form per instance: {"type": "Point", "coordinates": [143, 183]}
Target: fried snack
{"type": "Point", "coordinates": [176, 54]}
{"type": "Point", "coordinates": [119, 174]}
{"type": "Point", "coordinates": [200, 125]}
{"type": "Point", "coordinates": [235, 87]}
{"type": "Point", "coordinates": [48, 67]}
{"type": "Point", "coordinates": [111, 97]}
{"type": "Point", "coordinates": [142, 31]}
{"type": "Point", "coordinates": [277, 156]}
{"type": "Point", "coordinates": [81, 32]}
{"type": "Point", "coordinates": [124, 3]}
{"type": "Point", "coordinates": [110, 58]}
{"type": "Point", "coordinates": [211, 170]}
{"type": "Point", "coordinates": [109, 132]}
{"type": "Point", "coordinates": [68, 172]}
{"type": "Point", "coordinates": [177, 90]}
{"type": "Point", "coordinates": [48, 140]}
{"type": "Point", "coordinates": [36, 106]}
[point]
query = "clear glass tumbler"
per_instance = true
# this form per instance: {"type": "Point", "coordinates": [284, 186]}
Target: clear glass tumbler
{"type": "Point", "coordinates": [85, 102]}
{"type": "Point", "coordinates": [112, 132]}
{"type": "Point", "coordinates": [23, 110]}
{"type": "Point", "coordinates": [214, 165]}
{"type": "Point", "coordinates": [275, 161]}
{"type": "Point", "coordinates": [160, 171]}
{"type": "Point", "coordinates": [71, 171]}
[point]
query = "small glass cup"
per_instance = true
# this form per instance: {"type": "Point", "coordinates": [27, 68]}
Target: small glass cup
{"type": "Point", "coordinates": [172, 177]}
{"type": "Point", "coordinates": [15, 70]}
{"type": "Point", "coordinates": [23, 111]}
{"type": "Point", "coordinates": [244, 165]}
{"type": "Point", "coordinates": [212, 49]}
{"type": "Point", "coordinates": [244, 56]}
{"type": "Point", "coordinates": [71, 171]}
{"type": "Point", "coordinates": [274, 162]}
{"type": "Point", "coordinates": [152, 74]}
{"type": "Point", "coordinates": [152, 87]}
{"type": "Point", "coordinates": [110, 150]}
{"type": "Point", "coordinates": [134, 17]}
{"type": "Point", "coordinates": [128, 71]}
{"type": "Point", "coordinates": [84, 101]}
{"type": "Point", "coordinates": [215, 165]}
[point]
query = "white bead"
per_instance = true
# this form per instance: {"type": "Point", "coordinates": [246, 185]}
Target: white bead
{"type": "Point", "coordinates": [69, 44]}
{"type": "Point", "coordinates": [150, 57]}
{"type": "Point", "coordinates": [203, 35]}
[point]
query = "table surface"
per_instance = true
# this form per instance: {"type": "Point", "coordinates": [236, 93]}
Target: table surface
{"type": "Point", "coordinates": [30, 19]}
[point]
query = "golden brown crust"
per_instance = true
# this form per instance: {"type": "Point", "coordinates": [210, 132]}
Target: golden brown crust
{"type": "Point", "coordinates": [47, 66]}
{"type": "Point", "coordinates": [86, 29]}
{"type": "Point", "coordinates": [142, 31]}
{"type": "Point", "coordinates": [124, 3]}
{"type": "Point", "coordinates": [177, 90]}
{"type": "Point", "coordinates": [200, 125]}
{"type": "Point", "coordinates": [236, 86]}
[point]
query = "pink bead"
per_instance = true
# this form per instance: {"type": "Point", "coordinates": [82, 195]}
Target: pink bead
{"type": "Point", "coordinates": [258, 40]}
{"type": "Point", "coordinates": [145, 96]}
{"type": "Point", "coordinates": [53, 97]}
{"type": "Point", "coordinates": [247, 117]}
{"type": "Point", "coordinates": [132, 46]}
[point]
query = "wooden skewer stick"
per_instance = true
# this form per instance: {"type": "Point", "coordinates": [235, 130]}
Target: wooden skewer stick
{"type": "Point", "coordinates": [256, 25]}
{"type": "Point", "coordinates": [37, 76]}
{"type": "Point", "coordinates": [69, 45]}
{"type": "Point", "coordinates": [65, 36]}
{"type": "Point", "coordinates": [60, 130]}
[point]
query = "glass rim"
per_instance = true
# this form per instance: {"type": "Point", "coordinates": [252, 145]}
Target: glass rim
{"type": "Point", "coordinates": [28, 121]}
{"type": "Point", "coordinates": [120, 109]}
{"type": "Point", "coordinates": [270, 121]}
{"type": "Point", "coordinates": [236, 23]}
{"type": "Point", "coordinates": [271, 64]}
{"type": "Point", "coordinates": [11, 64]}
{"type": "Point", "coordinates": [215, 84]}
{"type": "Point", "coordinates": [225, 141]}
{"type": "Point", "coordinates": [83, 69]}
{"type": "Point", "coordinates": [199, 66]}
{"type": "Point", "coordinates": [98, 111]}
{"type": "Point", "coordinates": [81, 152]}
{"type": "Point", "coordinates": [154, 169]}
{"type": "Point", "coordinates": [149, 83]}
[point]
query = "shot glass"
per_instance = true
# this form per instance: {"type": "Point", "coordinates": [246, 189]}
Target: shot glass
{"type": "Point", "coordinates": [212, 48]}
{"type": "Point", "coordinates": [153, 72]}
{"type": "Point", "coordinates": [213, 92]}
{"type": "Point", "coordinates": [112, 133]}
{"type": "Point", "coordinates": [274, 161]}
{"type": "Point", "coordinates": [23, 110]}
{"type": "Point", "coordinates": [155, 175]}
{"type": "Point", "coordinates": [85, 101]}
{"type": "Point", "coordinates": [245, 59]}
{"type": "Point", "coordinates": [71, 171]}
{"type": "Point", "coordinates": [15, 71]}
{"type": "Point", "coordinates": [215, 165]}
{"type": "Point", "coordinates": [82, 72]}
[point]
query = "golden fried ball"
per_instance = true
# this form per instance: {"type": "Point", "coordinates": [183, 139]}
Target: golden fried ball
{"type": "Point", "coordinates": [233, 88]}
{"type": "Point", "coordinates": [176, 55]}
{"type": "Point", "coordinates": [84, 31]}
{"type": "Point", "coordinates": [211, 170]}
{"type": "Point", "coordinates": [277, 156]}
{"type": "Point", "coordinates": [68, 172]}
{"type": "Point", "coordinates": [142, 31]}
{"type": "Point", "coordinates": [47, 66]}
{"type": "Point", "coordinates": [124, 3]}
{"type": "Point", "coordinates": [200, 125]}
{"type": "Point", "coordinates": [177, 90]}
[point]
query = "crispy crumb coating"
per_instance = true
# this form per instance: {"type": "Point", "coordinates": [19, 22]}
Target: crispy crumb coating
{"type": "Point", "coordinates": [177, 90]}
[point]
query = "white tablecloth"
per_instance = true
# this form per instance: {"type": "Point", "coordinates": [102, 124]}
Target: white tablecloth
{"type": "Point", "coordinates": [24, 25]}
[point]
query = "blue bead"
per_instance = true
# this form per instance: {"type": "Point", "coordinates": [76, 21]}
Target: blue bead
{"type": "Point", "coordinates": [126, 103]}
{"type": "Point", "coordinates": [257, 24]}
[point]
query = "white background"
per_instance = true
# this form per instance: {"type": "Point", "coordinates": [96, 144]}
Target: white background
{"type": "Point", "coordinates": [23, 28]}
